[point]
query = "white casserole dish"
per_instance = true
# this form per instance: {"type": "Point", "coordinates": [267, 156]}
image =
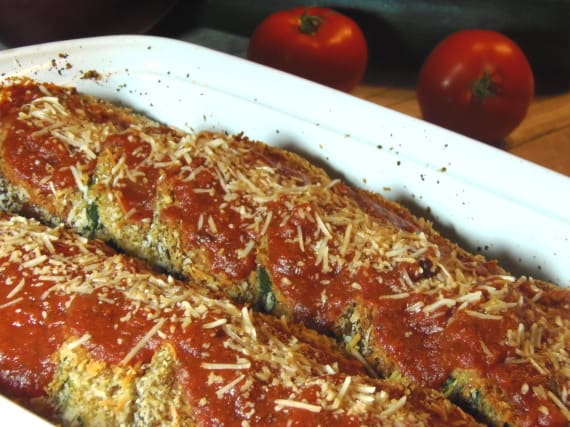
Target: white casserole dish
{"type": "Point", "coordinates": [483, 198]}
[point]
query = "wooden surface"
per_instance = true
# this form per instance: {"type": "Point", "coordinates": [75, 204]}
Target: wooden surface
{"type": "Point", "coordinates": [543, 137]}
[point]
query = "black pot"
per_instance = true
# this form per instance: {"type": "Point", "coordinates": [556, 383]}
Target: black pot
{"type": "Point", "coordinates": [25, 22]}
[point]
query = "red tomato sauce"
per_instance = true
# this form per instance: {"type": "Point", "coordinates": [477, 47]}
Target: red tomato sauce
{"type": "Point", "coordinates": [220, 232]}
{"type": "Point", "coordinates": [136, 195]}
{"type": "Point", "coordinates": [37, 326]}
{"type": "Point", "coordinates": [427, 347]}
{"type": "Point", "coordinates": [40, 161]}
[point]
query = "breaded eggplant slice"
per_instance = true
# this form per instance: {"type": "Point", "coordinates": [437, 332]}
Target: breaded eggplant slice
{"type": "Point", "coordinates": [50, 137]}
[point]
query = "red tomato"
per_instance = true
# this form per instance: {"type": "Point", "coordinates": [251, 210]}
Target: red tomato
{"type": "Point", "coordinates": [478, 83]}
{"type": "Point", "coordinates": [315, 43]}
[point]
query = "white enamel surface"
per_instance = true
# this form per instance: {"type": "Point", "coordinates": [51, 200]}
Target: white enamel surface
{"type": "Point", "coordinates": [14, 415]}
{"type": "Point", "coordinates": [483, 198]}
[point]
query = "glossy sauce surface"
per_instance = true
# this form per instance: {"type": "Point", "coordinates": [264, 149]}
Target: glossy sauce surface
{"type": "Point", "coordinates": [231, 370]}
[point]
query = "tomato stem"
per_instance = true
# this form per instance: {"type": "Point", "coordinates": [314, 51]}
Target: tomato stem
{"type": "Point", "coordinates": [309, 24]}
{"type": "Point", "coordinates": [484, 87]}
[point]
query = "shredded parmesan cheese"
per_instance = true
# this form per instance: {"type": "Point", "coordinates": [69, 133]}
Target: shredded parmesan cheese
{"type": "Point", "coordinates": [144, 340]}
{"type": "Point", "coordinates": [287, 403]}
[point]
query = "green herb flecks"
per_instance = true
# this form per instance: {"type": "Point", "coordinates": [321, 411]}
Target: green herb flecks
{"type": "Point", "coordinates": [92, 219]}
{"type": "Point", "coordinates": [267, 297]}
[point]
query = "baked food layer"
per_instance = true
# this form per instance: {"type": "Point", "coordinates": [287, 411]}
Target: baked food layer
{"type": "Point", "coordinates": [266, 227]}
{"type": "Point", "coordinates": [105, 341]}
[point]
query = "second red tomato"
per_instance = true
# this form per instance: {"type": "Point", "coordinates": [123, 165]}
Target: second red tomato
{"type": "Point", "coordinates": [319, 44]}
{"type": "Point", "coordinates": [478, 83]}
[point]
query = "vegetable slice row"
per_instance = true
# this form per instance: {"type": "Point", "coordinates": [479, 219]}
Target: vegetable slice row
{"type": "Point", "coordinates": [113, 343]}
